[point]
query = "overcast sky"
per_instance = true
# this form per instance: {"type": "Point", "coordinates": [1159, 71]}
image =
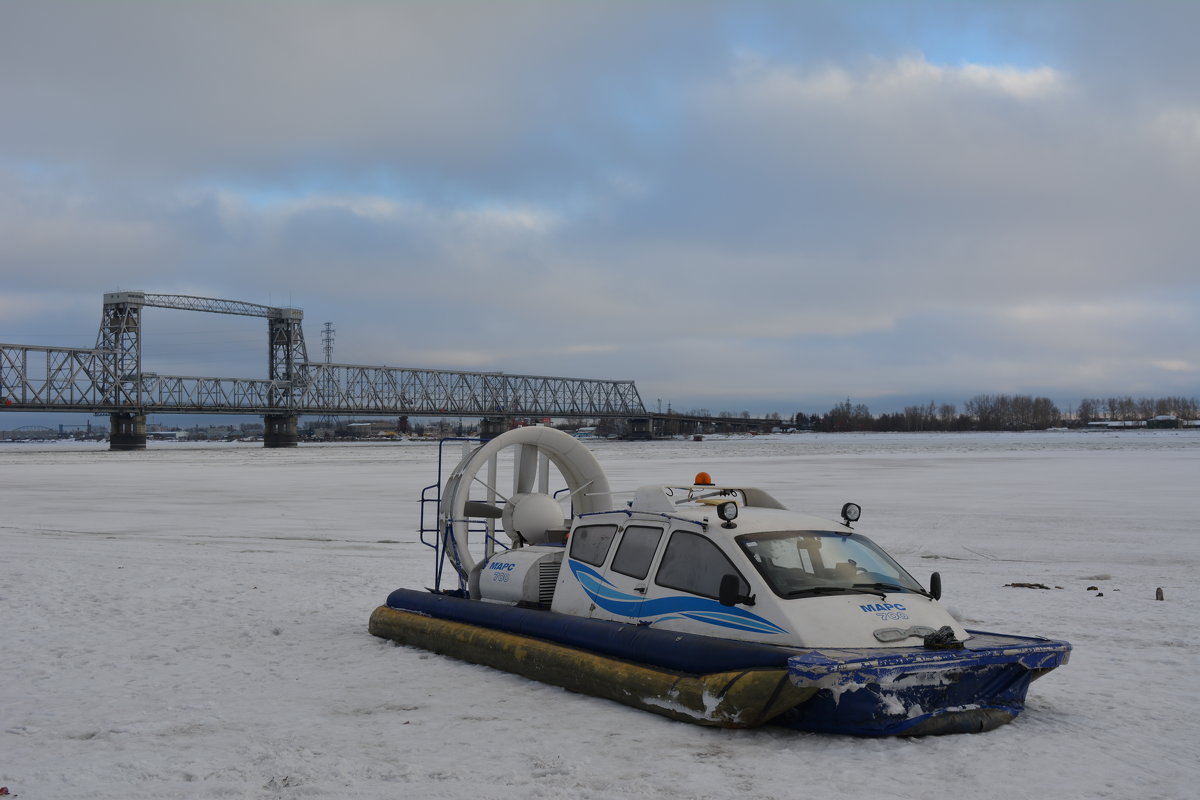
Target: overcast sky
{"type": "Point", "coordinates": [740, 206]}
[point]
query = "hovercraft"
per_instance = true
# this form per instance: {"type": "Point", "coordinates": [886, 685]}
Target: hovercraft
{"type": "Point", "coordinates": [702, 602]}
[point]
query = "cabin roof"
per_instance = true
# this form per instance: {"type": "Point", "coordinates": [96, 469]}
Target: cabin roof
{"type": "Point", "coordinates": [757, 510]}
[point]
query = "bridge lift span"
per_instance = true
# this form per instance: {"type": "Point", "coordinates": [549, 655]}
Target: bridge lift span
{"type": "Point", "coordinates": [110, 379]}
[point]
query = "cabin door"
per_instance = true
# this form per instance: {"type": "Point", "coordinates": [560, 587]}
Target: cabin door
{"type": "Point", "coordinates": [628, 571]}
{"type": "Point", "coordinates": [687, 581]}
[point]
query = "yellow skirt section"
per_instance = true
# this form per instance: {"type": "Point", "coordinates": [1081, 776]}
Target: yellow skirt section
{"type": "Point", "coordinates": [738, 699]}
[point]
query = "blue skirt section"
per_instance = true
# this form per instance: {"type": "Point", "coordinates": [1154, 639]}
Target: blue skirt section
{"type": "Point", "coordinates": [682, 652]}
{"type": "Point", "coordinates": [916, 691]}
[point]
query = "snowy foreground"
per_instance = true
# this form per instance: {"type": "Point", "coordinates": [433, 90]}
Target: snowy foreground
{"type": "Point", "coordinates": [191, 622]}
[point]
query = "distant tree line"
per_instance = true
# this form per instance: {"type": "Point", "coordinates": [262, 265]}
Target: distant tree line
{"type": "Point", "coordinates": [996, 412]}
{"type": "Point", "coordinates": [1093, 409]}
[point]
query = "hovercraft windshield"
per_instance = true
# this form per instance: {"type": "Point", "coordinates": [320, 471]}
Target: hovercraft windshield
{"type": "Point", "coordinates": [813, 563]}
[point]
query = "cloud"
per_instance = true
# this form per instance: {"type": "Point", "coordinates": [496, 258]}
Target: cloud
{"type": "Point", "coordinates": [869, 199]}
{"type": "Point", "coordinates": [1178, 129]}
{"type": "Point", "coordinates": [774, 85]}
{"type": "Point", "coordinates": [1176, 365]}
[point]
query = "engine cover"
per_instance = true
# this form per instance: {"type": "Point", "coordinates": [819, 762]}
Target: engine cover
{"type": "Point", "coordinates": [522, 575]}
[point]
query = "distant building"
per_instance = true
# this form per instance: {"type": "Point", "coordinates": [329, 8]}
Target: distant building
{"type": "Point", "coordinates": [373, 429]}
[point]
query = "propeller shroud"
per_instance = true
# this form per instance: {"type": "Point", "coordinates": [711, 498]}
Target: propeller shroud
{"type": "Point", "coordinates": [529, 511]}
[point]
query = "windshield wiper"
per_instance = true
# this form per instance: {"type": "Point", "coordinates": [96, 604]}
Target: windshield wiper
{"type": "Point", "coordinates": [886, 587]}
{"type": "Point", "coordinates": [864, 588]}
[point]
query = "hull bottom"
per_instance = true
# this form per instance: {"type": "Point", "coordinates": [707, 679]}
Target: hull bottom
{"type": "Point", "coordinates": [717, 682]}
{"type": "Point", "coordinates": [939, 704]}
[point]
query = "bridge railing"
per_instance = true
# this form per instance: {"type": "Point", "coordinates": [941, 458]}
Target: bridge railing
{"type": "Point", "coordinates": [164, 393]}
{"type": "Point", "coordinates": [54, 377]}
{"type": "Point", "coordinates": [348, 388]}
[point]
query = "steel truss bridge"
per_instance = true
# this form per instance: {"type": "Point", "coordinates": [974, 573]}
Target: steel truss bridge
{"type": "Point", "coordinates": [109, 378]}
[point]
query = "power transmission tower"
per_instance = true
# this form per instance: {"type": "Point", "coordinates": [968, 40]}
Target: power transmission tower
{"type": "Point", "coordinates": [327, 339]}
{"type": "Point", "coordinates": [327, 332]}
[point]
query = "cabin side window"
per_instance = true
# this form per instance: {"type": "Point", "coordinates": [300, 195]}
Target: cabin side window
{"type": "Point", "coordinates": [693, 564]}
{"type": "Point", "coordinates": [636, 550]}
{"type": "Point", "coordinates": [590, 543]}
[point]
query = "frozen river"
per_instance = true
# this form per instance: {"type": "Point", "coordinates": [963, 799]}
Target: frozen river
{"type": "Point", "coordinates": [190, 622]}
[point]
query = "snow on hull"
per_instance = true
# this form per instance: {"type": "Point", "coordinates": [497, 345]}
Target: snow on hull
{"type": "Point", "coordinates": [918, 692]}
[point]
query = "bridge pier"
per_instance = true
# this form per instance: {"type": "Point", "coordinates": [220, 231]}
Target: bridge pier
{"type": "Point", "coordinates": [279, 430]}
{"type": "Point", "coordinates": [127, 431]}
{"type": "Point", "coordinates": [640, 428]}
{"type": "Point", "coordinates": [491, 427]}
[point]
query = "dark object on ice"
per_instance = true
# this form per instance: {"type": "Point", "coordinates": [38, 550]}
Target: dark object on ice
{"type": "Point", "coordinates": [1158, 594]}
{"type": "Point", "coordinates": [1099, 594]}
{"type": "Point", "coordinates": [1028, 585]}
{"type": "Point", "coordinates": [943, 639]}
{"type": "Point", "coordinates": [1092, 589]}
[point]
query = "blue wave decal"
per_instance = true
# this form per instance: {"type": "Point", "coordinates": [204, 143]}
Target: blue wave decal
{"type": "Point", "coordinates": [700, 609]}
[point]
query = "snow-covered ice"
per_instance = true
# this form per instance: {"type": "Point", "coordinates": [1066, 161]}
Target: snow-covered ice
{"type": "Point", "coordinates": [190, 621]}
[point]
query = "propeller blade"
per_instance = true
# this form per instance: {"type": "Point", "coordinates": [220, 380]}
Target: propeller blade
{"type": "Point", "coordinates": [491, 489]}
{"type": "Point", "coordinates": [524, 468]}
{"type": "Point", "coordinates": [543, 472]}
{"type": "Point", "coordinates": [475, 508]}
